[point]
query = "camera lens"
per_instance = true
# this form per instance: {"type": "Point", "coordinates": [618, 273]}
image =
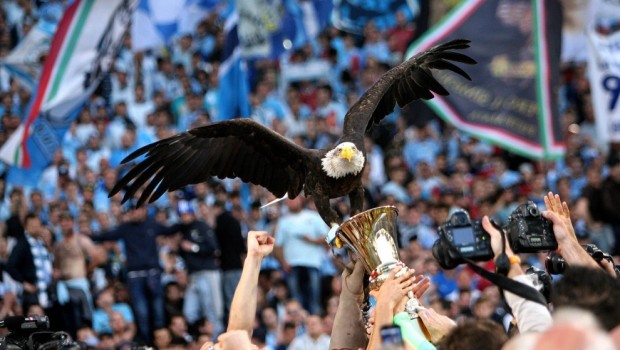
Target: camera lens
{"type": "Point", "coordinates": [441, 253]}
{"type": "Point", "coordinates": [555, 264]}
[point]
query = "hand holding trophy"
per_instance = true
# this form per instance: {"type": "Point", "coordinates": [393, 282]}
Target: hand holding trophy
{"type": "Point", "coordinates": [371, 236]}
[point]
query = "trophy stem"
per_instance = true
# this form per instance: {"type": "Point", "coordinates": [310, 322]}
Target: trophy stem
{"type": "Point", "coordinates": [412, 308]}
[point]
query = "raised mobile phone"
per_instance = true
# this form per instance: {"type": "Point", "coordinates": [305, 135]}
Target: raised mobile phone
{"type": "Point", "coordinates": [391, 338]}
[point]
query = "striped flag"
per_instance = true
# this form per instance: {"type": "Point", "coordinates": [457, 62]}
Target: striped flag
{"type": "Point", "coordinates": [512, 98]}
{"type": "Point", "coordinates": [82, 50]}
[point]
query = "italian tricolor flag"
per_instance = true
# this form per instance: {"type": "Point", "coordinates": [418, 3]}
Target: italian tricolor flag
{"type": "Point", "coordinates": [82, 50]}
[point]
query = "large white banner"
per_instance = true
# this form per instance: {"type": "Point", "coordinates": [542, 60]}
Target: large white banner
{"type": "Point", "coordinates": [604, 72]}
{"type": "Point", "coordinates": [604, 69]}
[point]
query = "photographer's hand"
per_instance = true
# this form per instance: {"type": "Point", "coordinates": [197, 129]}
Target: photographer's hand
{"type": "Point", "coordinates": [555, 205]}
{"type": "Point", "coordinates": [609, 267]}
{"type": "Point", "coordinates": [496, 245]}
{"type": "Point", "coordinates": [570, 249]}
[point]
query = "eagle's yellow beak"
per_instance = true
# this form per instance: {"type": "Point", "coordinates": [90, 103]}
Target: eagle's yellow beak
{"type": "Point", "coordinates": [346, 153]}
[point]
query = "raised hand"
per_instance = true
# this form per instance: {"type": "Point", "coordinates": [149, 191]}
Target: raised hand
{"type": "Point", "coordinates": [438, 325]}
{"type": "Point", "coordinates": [421, 285]}
{"type": "Point", "coordinates": [260, 244]}
{"type": "Point", "coordinates": [496, 238]}
{"type": "Point", "coordinates": [353, 279]}
{"type": "Point", "coordinates": [555, 205]}
{"type": "Point", "coordinates": [394, 289]}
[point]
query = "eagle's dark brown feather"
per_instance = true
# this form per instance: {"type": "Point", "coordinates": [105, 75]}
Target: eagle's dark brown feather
{"type": "Point", "coordinates": [216, 150]}
{"type": "Point", "coordinates": [403, 84]}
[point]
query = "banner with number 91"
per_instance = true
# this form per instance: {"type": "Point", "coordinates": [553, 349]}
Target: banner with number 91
{"type": "Point", "coordinates": [604, 74]}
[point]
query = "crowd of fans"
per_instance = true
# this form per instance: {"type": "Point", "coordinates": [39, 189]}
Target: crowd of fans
{"type": "Point", "coordinates": [165, 275]}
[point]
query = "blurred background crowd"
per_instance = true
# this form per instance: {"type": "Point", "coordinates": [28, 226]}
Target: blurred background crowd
{"type": "Point", "coordinates": [196, 236]}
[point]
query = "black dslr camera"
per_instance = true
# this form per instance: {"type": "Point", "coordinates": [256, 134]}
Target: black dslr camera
{"type": "Point", "coordinates": [32, 333]}
{"type": "Point", "coordinates": [460, 238]}
{"type": "Point", "coordinates": [529, 232]}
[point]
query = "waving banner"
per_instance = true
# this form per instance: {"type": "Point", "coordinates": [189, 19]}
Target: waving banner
{"type": "Point", "coordinates": [82, 50]}
{"type": "Point", "coordinates": [511, 100]}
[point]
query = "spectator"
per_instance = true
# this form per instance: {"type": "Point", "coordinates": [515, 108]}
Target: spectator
{"type": "Point", "coordinates": [30, 263]}
{"type": "Point", "coordinates": [178, 330]}
{"type": "Point", "coordinates": [232, 248]}
{"type": "Point", "coordinates": [467, 336]}
{"type": "Point", "coordinates": [121, 331]}
{"type": "Point", "coordinates": [86, 335]}
{"type": "Point", "coordinates": [314, 338]}
{"type": "Point", "coordinates": [423, 147]}
{"type": "Point", "coordinates": [330, 110]}
{"type": "Point", "coordinates": [201, 252]}
{"type": "Point", "coordinates": [139, 234]}
{"type": "Point", "coordinates": [162, 338]}
{"type": "Point", "coordinates": [592, 290]}
{"type": "Point", "coordinates": [299, 249]}
{"type": "Point", "coordinates": [106, 305]}
{"type": "Point", "coordinates": [173, 300]}
{"type": "Point", "coordinates": [75, 256]}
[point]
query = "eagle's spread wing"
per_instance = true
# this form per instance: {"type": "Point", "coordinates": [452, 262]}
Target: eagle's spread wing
{"type": "Point", "coordinates": [409, 81]}
{"type": "Point", "coordinates": [234, 148]}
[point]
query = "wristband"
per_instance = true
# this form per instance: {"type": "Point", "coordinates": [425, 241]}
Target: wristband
{"type": "Point", "coordinates": [514, 260]}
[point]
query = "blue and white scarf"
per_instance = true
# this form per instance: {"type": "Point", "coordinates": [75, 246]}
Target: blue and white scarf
{"type": "Point", "coordinates": [43, 266]}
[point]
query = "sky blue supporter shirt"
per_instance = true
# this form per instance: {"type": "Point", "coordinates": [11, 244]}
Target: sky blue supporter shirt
{"type": "Point", "coordinates": [290, 232]}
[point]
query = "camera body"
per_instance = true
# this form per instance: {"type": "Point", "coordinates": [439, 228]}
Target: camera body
{"type": "Point", "coordinates": [529, 232]}
{"type": "Point", "coordinates": [460, 237]}
{"type": "Point", "coordinates": [33, 332]}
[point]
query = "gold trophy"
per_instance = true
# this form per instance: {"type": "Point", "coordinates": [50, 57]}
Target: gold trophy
{"type": "Point", "coordinates": [371, 235]}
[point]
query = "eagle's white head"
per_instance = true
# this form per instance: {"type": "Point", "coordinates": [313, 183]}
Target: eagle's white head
{"type": "Point", "coordinates": [343, 160]}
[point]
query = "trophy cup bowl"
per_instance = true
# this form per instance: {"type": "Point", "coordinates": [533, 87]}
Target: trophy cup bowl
{"type": "Point", "coordinates": [371, 235]}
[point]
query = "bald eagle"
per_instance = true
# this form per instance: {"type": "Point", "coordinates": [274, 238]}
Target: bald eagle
{"type": "Point", "coordinates": [245, 149]}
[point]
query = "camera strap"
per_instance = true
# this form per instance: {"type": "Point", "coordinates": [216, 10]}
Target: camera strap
{"type": "Point", "coordinates": [500, 278]}
{"type": "Point", "coordinates": [509, 284]}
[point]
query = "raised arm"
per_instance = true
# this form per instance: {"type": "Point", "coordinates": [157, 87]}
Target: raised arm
{"type": "Point", "coordinates": [243, 307]}
{"type": "Point", "coordinates": [530, 316]}
{"type": "Point", "coordinates": [390, 300]}
{"type": "Point", "coordinates": [349, 329]}
{"type": "Point", "coordinates": [110, 235]}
